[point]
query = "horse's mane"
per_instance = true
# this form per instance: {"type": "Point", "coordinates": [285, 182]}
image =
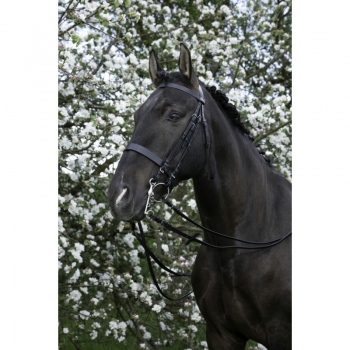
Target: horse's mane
{"type": "Point", "coordinates": [223, 101]}
{"type": "Point", "coordinates": [233, 115]}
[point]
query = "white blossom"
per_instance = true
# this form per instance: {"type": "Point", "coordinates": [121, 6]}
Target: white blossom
{"type": "Point", "coordinates": [74, 295]}
{"type": "Point", "coordinates": [94, 262]}
{"type": "Point", "coordinates": [213, 46]}
{"type": "Point", "coordinates": [166, 9]}
{"type": "Point", "coordinates": [93, 280]}
{"type": "Point", "coordinates": [61, 252]}
{"type": "Point", "coordinates": [184, 21]}
{"type": "Point", "coordinates": [75, 276]}
{"type": "Point", "coordinates": [225, 9]}
{"type": "Point", "coordinates": [128, 87]}
{"type": "Point", "coordinates": [84, 314]}
{"type": "Point", "coordinates": [133, 60]}
{"type": "Point", "coordinates": [193, 328]}
{"type": "Point", "coordinates": [92, 6]}
{"type": "Point", "coordinates": [135, 287]}
{"type": "Point", "coordinates": [196, 317]}
{"type": "Point", "coordinates": [94, 301]}
{"type": "Point", "coordinates": [65, 143]}
{"type": "Point", "coordinates": [93, 334]}
{"type": "Point", "coordinates": [192, 204]}
{"type": "Point", "coordinates": [147, 335]}
{"type": "Point", "coordinates": [129, 240]}
{"type": "Point", "coordinates": [165, 247]}
{"type": "Point", "coordinates": [156, 308]}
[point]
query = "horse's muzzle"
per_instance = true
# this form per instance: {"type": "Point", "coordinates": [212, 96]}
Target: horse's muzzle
{"type": "Point", "coordinates": [122, 203]}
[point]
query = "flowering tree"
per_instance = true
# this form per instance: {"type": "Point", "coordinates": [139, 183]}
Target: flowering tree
{"type": "Point", "coordinates": [106, 295]}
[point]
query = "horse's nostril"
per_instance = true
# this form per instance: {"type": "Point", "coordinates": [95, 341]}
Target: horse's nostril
{"type": "Point", "coordinates": [121, 201]}
{"type": "Point", "coordinates": [120, 197]}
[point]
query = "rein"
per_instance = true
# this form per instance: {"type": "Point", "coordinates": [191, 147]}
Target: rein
{"type": "Point", "coordinates": [183, 144]}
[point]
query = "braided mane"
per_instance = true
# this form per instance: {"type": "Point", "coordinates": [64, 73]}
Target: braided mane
{"type": "Point", "coordinates": [234, 115]}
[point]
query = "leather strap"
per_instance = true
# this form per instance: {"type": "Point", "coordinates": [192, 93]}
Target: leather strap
{"type": "Point", "coordinates": [184, 89]}
{"type": "Point", "coordinates": [145, 152]}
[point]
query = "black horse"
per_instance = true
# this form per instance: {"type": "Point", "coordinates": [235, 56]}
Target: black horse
{"type": "Point", "coordinates": [242, 294]}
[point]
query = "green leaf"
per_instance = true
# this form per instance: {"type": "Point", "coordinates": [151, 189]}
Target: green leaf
{"type": "Point", "coordinates": [75, 39]}
{"type": "Point", "coordinates": [105, 23]}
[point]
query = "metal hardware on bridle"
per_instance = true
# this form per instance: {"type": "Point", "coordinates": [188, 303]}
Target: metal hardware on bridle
{"type": "Point", "coordinates": [184, 143]}
{"type": "Point", "coordinates": [150, 197]}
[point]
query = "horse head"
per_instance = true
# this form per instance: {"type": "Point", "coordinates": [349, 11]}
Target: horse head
{"type": "Point", "coordinates": [162, 136]}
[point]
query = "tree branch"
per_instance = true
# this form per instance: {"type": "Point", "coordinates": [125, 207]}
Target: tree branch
{"type": "Point", "coordinates": [236, 71]}
{"type": "Point", "coordinates": [73, 342]}
{"type": "Point", "coordinates": [64, 12]}
{"type": "Point", "coordinates": [268, 64]}
{"type": "Point", "coordinates": [105, 165]}
{"type": "Point", "coordinates": [101, 31]}
{"type": "Point", "coordinates": [105, 52]}
{"type": "Point", "coordinates": [270, 132]}
{"type": "Point", "coordinates": [78, 22]}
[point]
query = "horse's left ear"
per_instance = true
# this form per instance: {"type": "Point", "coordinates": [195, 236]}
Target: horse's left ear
{"type": "Point", "coordinates": [155, 69]}
{"type": "Point", "coordinates": [185, 66]}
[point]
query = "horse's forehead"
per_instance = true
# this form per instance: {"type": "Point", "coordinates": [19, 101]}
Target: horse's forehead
{"type": "Point", "coordinates": [154, 98]}
{"type": "Point", "coordinates": [157, 98]}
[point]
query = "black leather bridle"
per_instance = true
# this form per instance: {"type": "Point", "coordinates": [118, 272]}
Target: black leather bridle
{"type": "Point", "coordinates": [183, 144]}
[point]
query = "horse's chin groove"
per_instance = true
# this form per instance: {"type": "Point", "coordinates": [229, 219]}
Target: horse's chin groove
{"type": "Point", "coordinates": [140, 215]}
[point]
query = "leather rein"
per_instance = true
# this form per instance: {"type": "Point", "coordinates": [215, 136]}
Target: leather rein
{"type": "Point", "coordinates": [183, 144]}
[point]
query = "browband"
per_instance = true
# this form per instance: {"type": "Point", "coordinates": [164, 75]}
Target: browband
{"type": "Point", "coordinates": [199, 97]}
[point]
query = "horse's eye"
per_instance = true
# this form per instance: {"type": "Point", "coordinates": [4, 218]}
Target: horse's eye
{"type": "Point", "coordinates": [173, 116]}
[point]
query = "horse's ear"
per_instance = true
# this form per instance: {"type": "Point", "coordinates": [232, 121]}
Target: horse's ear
{"type": "Point", "coordinates": [155, 69]}
{"type": "Point", "coordinates": [185, 66]}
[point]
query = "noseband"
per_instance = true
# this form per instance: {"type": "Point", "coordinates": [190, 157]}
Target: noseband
{"type": "Point", "coordinates": [183, 144]}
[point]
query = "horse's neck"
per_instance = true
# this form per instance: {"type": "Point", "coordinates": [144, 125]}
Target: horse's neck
{"type": "Point", "coordinates": [237, 200]}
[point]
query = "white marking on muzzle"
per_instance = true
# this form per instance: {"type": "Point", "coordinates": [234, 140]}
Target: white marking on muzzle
{"type": "Point", "coordinates": [120, 196]}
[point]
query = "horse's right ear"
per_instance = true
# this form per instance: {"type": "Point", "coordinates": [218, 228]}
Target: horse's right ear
{"type": "Point", "coordinates": [155, 69]}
